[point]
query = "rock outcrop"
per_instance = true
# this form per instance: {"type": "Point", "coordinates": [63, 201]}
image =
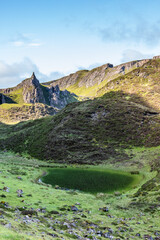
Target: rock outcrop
{"type": "Point", "coordinates": [156, 57]}
{"type": "Point", "coordinates": [87, 79]}
{"type": "Point", "coordinates": [31, 91]}
{"type": "Point", "coordinates": [2, 98]}
{"type": "Point", "coordinates": [5, 99]}
{"type": "Point", "coordinates": [58, 98]}
{"type": "Point", "coordinates": [17, 113]}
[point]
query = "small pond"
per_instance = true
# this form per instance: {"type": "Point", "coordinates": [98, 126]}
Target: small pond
{"type": "Point", "coordinates": [91, 180]}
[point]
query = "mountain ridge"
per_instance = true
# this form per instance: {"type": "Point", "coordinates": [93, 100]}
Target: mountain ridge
{"type": "Point", "coordinates": [136, 78]}
{"type": "Point", "coordinates": [87, 79]}
{"type": "Point", "coordinates": [31, 91]}
{"type": "Point", "coordinates": [31, 100]}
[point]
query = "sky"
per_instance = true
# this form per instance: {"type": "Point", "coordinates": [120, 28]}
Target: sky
{"type": "Point", "coordinates": [54, 38]}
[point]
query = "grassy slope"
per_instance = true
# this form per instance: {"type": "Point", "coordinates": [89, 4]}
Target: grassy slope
{"type": "Point", "coordinates": [91, 131]}
{"type": "Point", "coordinates": [14, 113]}
{"type": "Point", "coordinates": [15, 110]}
{"type": "Point", "coordinates": [79, 87]}
{"type": "Point", "coordinates": [87, 83]}
{"type": "Point", "coordinates": [16, 95]}
{"type": "Point", "coordinates": [117, 129]}
{"type": "Point", "coordinates": [126, 210]}
{"type": "Point", "coordinates": [143, 81]}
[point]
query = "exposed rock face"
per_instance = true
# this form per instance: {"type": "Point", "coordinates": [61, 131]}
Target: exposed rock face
{"type": "Point", "coordinates": [97, 75]}
{"type": "Point", "coordinates": [2, 99]}
{"type": "Point", "coordinates": [156, 57]}
{"type": "Point", "coordinates": [18, 113]}
{"type": "Point", "coordinates": [87, 78]}
{"type": "Point", "coordinates": [32, 91]}
{"type": "Point", "coordinates": [5, 99]}
{"type": "Point", "coordinates": [58, 98]}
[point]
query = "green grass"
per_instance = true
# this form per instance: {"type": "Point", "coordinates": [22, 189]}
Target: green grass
{"type": "Point", "coordinates": [16, 95]}
{"type": "Point", "coordinates": [121, 212]}
{"type": "Point", "coordinates": [13, 105]}
{"type": "Point", "coordinates": [93, 131]}
{"type": "Point", "coordinates": [90, 180]}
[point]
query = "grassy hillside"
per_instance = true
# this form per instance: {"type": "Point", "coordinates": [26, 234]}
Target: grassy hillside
{"type": "Point", "coordinates": [139, 80]}
{"type": "Point", "coordinates": [120, 130]}
{"type": "Point", "coordinates": [91, 131]}
{"type": "Point", "coordinates": [31, 100]}
{"type": "Point", "coordinates": [14, 113]}
{"type": "Point", "coordinates": [87, 83]}
{"type": "Point", "coordinates": [45, 212]}
{"type": "Point", "coordinates": [143, 81]}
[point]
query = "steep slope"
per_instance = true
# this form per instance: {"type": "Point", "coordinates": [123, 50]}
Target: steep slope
{"type": "Point", "coordinates": [143, 81]}
{"type": "Point", "coordinates": [141, 78]}
{"type": "Point", "coordinates": [31, 100]}
{"type": "Point", "coordinates": [5, 99]}
{"type": "Point", "coordinates": [31, 91]}
{"type": "Point", "coordinates": [137, 77]}
{"type": "Point", "coordinates": [13, 113]}
{"type": "Point", "coordinates": [88, 132]}
{"type": "Point", "coordinates": [86, 83]}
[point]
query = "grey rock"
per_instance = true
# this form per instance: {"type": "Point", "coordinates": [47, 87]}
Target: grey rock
{"type": "Point", "coordinates": [86, 78]}
{"type": "Point", "coordinates": [156, 57]}
{"type": "Point", "coordinates": [74, 208]}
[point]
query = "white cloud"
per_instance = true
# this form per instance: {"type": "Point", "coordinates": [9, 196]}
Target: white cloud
{"type": "Point", "coordinates": [130, 55]}
{"type": "Point", "coordinates": [142, 32]}
{"type": "Point", "coordinates": [34, 44]}
{"type": "Point", "coordinates": [13, 74]}
{"type": "Point", "coordinates": [24, 40]}
{"type": "Point", "coordinates": [90, 67]}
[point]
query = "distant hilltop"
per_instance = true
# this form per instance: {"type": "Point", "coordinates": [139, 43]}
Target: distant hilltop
{"type": "Point", "coordinates": [31, 91]}
{"type": "Point", "coordinates": [139, 77]}
{"type": "Point", "coordinates": [156, 57]}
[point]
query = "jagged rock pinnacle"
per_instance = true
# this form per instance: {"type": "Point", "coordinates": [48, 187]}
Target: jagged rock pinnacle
{"type": "Point", "coordinates": [33, 76]}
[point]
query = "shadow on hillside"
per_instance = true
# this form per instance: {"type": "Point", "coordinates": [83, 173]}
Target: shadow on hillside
{"type": "Point", "coordinates": [87, 132]}
{"type": "Point", "coordinates": [5, 99]}
{"type": "Point", "coordinates": [130, 98]}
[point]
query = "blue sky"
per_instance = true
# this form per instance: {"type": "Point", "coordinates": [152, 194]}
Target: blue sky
{"type": "Point", "coordinates": [57, 37]}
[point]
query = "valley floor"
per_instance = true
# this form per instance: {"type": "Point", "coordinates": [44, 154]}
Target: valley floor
{"type": "Point", "coordinates": [30, 209]}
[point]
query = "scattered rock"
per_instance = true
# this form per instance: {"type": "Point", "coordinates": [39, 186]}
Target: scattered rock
{"type": "Point", "coordinates": [19, 178]}
{"type": "Point", "coordinates": [54, 212]}
{"type": "Point", "coordinates": [3, 196]}
{"type": "Point", "coordinates": [104, 209]}
{"type": "Point", "coordinates": [20, 193]}
{"type": "Point", "coordinates": [117, 193]}
{"type": "Point", "coordinates": [74, 209]}
{"type": "Point", "coordinates": [29, 212]}
{"type": "Point", "coordinates": [6, 189]}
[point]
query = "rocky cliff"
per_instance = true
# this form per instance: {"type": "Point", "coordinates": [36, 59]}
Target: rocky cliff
{"type": "Point", "coordinates": [2, 98]}
{"type": "Point", "coordinates": [32, 100]}
{"type": "Point", "coordinates": [139, 77]}
{"type": "Point", "coordinates": [31, 91]}
{"type": "Point", "coordinates": [5, 99]}
{"type": "Point", "coordinates": [14, 113]}
{"type": "Point", "coordinates": [86, 83]}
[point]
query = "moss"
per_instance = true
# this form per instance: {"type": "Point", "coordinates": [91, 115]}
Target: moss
{"type": "Point", "coordinates": [16, 96]}
{"type": "Point", "coordinates": [91, 131]}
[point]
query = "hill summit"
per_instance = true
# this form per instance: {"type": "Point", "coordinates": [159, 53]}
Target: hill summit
{"type": "Point", "coordinates": [32, 100]}
{"type": "Point", "coordinates": [138, 79]}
